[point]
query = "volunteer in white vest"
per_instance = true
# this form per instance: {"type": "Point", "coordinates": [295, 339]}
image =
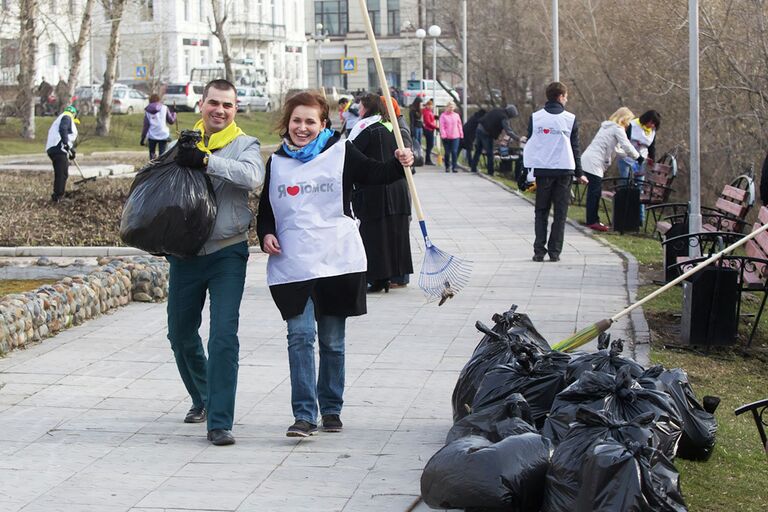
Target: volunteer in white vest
{"type": "Point", "coordinates": [316, 267]}
{"type": "Point", "coordinates": [641, 132]}
{"type": "Point", "coordinates": [609, 140]}
{"type": "Point", "coordinates": [60, 147]}
{"type": "Point", "coordinates": [157, 117]}
{"type": "Point", "coordinates": [552, 151]}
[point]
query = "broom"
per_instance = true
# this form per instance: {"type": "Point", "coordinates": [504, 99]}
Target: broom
{"type": "Point", "coordinates": [442, 274]}
{"type": "Point", "coordinates": [586, 335]}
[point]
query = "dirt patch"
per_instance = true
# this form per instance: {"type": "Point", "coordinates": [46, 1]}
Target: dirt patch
{"type": "Point", "coordinates": [90, 216]}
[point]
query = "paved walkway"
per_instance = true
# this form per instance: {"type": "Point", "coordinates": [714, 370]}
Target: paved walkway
{"type": "Point", "coordinates": [90, 420]}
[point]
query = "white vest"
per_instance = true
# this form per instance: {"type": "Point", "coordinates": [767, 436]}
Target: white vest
{"type": "Point", "coordinates": [639, 138]}
{"type": "Point", "coordinates": [550, 144]}
{"type": "Point", "coordinates": [316, 238]}
{"type": "Point", "coordinates": [158, 130]}
{"type": "Point", "coordinates": [53, 133]}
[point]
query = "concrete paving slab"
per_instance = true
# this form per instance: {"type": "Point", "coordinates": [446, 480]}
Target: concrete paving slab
{"type": "Point", "coordinates": [92, 418]}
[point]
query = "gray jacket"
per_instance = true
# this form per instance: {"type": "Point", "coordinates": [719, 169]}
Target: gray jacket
{"type": "Point", "coordinates": [235, 170]}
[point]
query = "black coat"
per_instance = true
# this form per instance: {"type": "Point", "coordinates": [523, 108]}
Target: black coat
{"type": "Point", "coordinates": [383, 211]}
{"type": "Point", "coordinates": [342, 295]}
{"type": "Point", "coordinates": [470, 129]}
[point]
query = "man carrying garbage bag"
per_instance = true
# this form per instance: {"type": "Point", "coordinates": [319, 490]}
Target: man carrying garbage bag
{"type": "Point", "coordinates": [232, 160]}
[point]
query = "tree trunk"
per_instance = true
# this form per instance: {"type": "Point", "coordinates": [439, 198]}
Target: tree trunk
{"type": "Point", "coordinates": [114, 9]}
{"type": "Point", "coordinates": [220, 18]}
{"type": "Point", "coordinates": [27, 67]}
{"type": "Point", "coordinates": [77, 50]}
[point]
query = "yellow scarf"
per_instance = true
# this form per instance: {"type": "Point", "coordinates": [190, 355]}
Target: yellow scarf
{"type": "Point", "coordinates": [645, 128]}
{"type": "Point", "coordinates": [219, 139]}
{"type": "Point", "coordinates": [74, 119]}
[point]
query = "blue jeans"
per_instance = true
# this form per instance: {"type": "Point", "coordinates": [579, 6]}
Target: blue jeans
{"type": "Point", "coordinates": [416, 136]}
{"type": "Point", "coordinates": [594, 190]}
{"type": "Point", "coordinates": [625, 171]}
{"type": "Point", "coordinates": [484, 144]}
{"type": "Point", "coordinates": [429, 136]}
{"type": "Point", "coordinates": [213, 382]}
{"type": "Point", "coordinates": [328, 389]}
{"type": "Point", "coordinates": [451, 153]}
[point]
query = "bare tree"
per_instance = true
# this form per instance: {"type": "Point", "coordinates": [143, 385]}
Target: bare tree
{"type": "Point", "coordinates": [114, 12]}
{"type": "Point", "coordinates": [27, 66]}
{"type": "Point", "coordinates": [77, 48]}
{"type": "Point", "coordinates": [220, 15]}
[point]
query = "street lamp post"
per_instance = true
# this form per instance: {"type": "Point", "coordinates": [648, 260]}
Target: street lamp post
{"type": "Point", "coordinates": [464, 58]}
{"type": "Point", "coordinates": [555, 43]}
{"type": "Point", "coordinates": [319, 37]}
{"type": "Point", "coordinates": [421, 34]}
{"type": "Point", "coordinates": [434, 32]}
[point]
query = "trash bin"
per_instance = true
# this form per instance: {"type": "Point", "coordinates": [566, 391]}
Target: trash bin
{"type": "Point", "coordinates": [710, 300]}
{"type": "Point", "coordinates": [672, 251]}
{"type": "Point", "coordinates": [626, 209]}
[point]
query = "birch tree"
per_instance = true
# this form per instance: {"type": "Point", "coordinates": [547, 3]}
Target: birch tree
{"type": "Point", "coordinates": [114, 11]}
{"type": "Point", "coordinates": [79, 46]}
{"type": "Point", "coordinates": [220, 16]}
{"type": "Point", "coordinates": [27, 66]}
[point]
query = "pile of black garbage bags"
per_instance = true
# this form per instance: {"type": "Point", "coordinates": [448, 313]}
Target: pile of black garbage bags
{"type": "Point", "coordinates": [170, 209]}
{"type": "Point", "coordinates": [540, 430]}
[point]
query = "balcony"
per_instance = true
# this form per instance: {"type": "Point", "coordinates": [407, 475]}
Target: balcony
{"type": "Point", "coordinates": [255, 31]}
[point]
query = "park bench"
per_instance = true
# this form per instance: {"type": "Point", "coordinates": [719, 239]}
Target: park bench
{"type": "Point", "coordinates": [758, 410]}
{"type": "Point", "coordinates": [655, 189]}
{"type": "Point", "coordinates": [728, 214]}
{"type": "Point", "coordinates": [752, 267]}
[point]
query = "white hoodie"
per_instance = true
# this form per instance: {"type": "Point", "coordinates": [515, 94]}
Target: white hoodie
{"type": "Point", "coordinates": [611, 139]}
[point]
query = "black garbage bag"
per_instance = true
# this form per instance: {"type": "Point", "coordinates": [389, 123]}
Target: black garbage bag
{"type": "Point", "coordinates": [565, 472]}
{"type": "Point", "coordinates": [699, 426]}
{"type": "Point", "coordinates": [606, 360]}
{"type": "Point", "coordinates": [539, 378]}
{"type": "Point", "coordinates": [622, 399]}
{"type": "Point", "coordinates": [170, 209]}
{"type": "Point", "coordinates": [496, 422]}
{"type": "Point", "coordinates": [628, 476]}
{"type": "Point", "coordinates": [474, 473]}
{"type": "Point", "coordinates": [512, 334]}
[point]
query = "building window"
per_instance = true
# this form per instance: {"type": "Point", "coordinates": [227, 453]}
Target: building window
{"type": "Point", "coordinates": [9, 52]}
{"type": "Point", "coordinates": [53, 7]}
{"type": "Point", "coordinates": [147, 10]}
{"type": "Point", "coordinates": [186, 10]}
{"type": "Point", "coordinates": [72, 7]}
{"type": "Point", "coordinates": [374, 12]}
{"type": "Point", "coordinates": [391, 70]}
{"type": "Point", "coordinates": [393, 17]}
{"type": "Point", "coordinates": [431, 14]}
{"type": "Point", "coordinates": [334, 15]}
{"type": "Point", "coordinates": [53, 55]}
{"type": "Point", "coordinates": [187, 61]}
{"type": "Point", "coordinates": [332, 75]}
{"type": "Point", "coordinates": [201, 9]}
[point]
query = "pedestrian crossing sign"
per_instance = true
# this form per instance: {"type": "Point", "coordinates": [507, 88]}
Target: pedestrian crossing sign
{"type": "Point", "coordinates": [141, 72]}
{"type": "Point", "coordinates": [349, 64]}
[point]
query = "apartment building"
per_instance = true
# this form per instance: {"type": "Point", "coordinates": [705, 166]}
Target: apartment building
{"type": "Point", "coordinates": [336, 37]}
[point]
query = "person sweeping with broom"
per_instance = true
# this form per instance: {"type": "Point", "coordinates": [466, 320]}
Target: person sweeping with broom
{"type": "Point", "coordinates": [316, 270]}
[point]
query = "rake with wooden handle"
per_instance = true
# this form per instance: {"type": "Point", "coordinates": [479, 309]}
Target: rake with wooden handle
{"type": "Point", "coordinates": [586, 335]}
{"type": "Point", "coordinates": [442, 274]}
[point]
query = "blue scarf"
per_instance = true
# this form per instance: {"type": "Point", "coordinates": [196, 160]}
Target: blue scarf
{"type": "Point", "coordinates": [311, 150]}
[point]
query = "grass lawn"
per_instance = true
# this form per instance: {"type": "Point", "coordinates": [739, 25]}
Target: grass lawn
{"type": "Point", "coordinates": [125, 132]}
{"type": "Point", "coordinates": [735, 476]}
{"type": "Point", "coordinates": [21, 285]}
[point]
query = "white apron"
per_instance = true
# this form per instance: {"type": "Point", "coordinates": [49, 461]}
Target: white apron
{"type": "Point", "coordinates": [316, 238]}
{"type": "Point", "coordinates": [158, 130]}
{"type": "Point", "coordinates": [549, 146]}
{"type": "Point", "coordinates": [53, 133]}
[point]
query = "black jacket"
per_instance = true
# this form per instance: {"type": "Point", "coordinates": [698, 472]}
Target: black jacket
{"type": "Point", "coordinates": [496, 121]}
{"type": "Point", "coordinates": [554, 107]}
{"type": "Point", "coordinates": [470, 129]}
{"type": "Point", "coordinates": [342, 295]}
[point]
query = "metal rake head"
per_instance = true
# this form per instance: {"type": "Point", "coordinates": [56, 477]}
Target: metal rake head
{"type": "Point", "coordinates": [442, 274]}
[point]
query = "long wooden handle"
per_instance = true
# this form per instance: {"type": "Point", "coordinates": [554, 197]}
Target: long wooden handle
{"type": "Point", "coordinates": [390, 107]}
{"type": "Point", "coordinates": [695, 269]}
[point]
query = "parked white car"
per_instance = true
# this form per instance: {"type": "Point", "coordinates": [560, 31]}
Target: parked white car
{"type": "Point", "coordinates": [249, 99]}
{"type": "Point", "coordinates": [184, 96]}
{"type": "Point", "coordinates": [125, 100]}
{"type": "Point", "coordinates": [424, 89]}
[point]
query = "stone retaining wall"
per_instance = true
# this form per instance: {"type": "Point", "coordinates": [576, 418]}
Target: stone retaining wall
{"type": "Point", "coordinates": [35, 315]}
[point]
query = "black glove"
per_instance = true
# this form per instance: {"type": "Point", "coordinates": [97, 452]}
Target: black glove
{"type": "Point", "coordinates": [142, 142]}
{"type": "Point", "coordinates": [191, 157]}
{"type": "Point", "coordinates": [72, 154]}
{"type": "Point", "coordinates": [640, 160]}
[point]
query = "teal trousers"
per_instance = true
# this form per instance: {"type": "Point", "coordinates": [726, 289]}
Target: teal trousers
{"type": "Point", "coordinates": [210, 382]}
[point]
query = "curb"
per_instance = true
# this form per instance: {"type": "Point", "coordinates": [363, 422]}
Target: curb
{"type": "Point", "coordinates": [640, 346]}
{"type": "Point", "coordinates": [80, 252]}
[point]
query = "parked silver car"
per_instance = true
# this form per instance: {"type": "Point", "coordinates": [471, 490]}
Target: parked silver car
{"type": "Point", "coordinates": [125, 100]}
{"type": "Point", "coordinates": [249, 99]}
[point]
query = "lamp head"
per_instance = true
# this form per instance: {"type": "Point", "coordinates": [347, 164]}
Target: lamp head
{"type": "Point", "coordinates": [434, 31]}
{"type": "Point", "coordinates": [421, 33]}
